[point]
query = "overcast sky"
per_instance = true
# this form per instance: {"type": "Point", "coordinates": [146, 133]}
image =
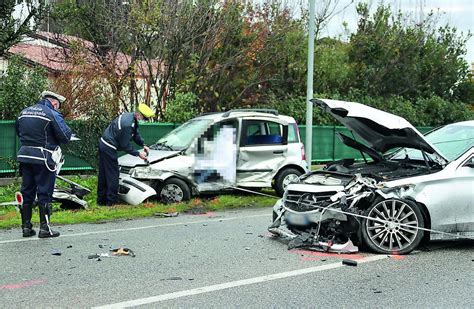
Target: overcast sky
{"type": "Point", "coordinates": [457, 13]}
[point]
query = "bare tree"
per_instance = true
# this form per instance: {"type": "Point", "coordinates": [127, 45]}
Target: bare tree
{"type": "Point", "coordinates": [18, 18]}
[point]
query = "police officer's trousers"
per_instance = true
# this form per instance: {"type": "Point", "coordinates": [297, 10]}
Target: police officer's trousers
{"type": "Point", "coordinates": [108, 182]}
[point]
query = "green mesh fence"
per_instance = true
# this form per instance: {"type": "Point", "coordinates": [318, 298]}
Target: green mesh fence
{"type": "Point", "coordinates": [326, 146]}
{"type": "Point", "coordinates": [9, 144]}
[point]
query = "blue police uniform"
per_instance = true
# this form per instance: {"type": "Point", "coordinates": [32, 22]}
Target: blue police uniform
{"type": "Point", "coordinates": [116, 137]}
{"type": "Point", "coordinates": [41, 129]}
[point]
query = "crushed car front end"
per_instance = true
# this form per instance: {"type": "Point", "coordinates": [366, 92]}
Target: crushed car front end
{"type": "Point", "coordinates": [335, 212]}
{"type": "Point", "coordinates": [371, 202]}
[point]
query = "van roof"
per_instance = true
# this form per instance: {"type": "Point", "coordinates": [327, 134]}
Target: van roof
{"type": "Point", "coordinates": [241, 113]}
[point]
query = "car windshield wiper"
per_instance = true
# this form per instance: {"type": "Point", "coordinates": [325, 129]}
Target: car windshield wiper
{"type": "Point", "coordinates": [159, 145]}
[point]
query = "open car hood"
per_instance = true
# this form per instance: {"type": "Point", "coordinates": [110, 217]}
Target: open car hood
{"type": "Point", "coordinates": [380, 130]}
{"type": "Point", "coordinates": [377, 157]}
{"type": "Point", "coordinates": [154, 156]}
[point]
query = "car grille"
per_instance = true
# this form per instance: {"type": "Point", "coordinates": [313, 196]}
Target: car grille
{"type": "Point", "coordinates": [304, 201]}
{"type": "Point", "coordinates": [125, 169]}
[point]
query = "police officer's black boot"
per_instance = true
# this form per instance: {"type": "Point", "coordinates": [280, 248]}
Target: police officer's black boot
{"type": "Point", "coordinates": [26, 226]}
{"type": "Point", "coordinates": [45, 215]}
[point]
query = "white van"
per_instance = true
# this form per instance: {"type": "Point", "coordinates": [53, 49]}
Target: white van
{"type": "Point", "coordinates": [250, 148]}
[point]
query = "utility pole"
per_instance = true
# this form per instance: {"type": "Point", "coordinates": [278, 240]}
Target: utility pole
{"type": "Point", "coordinates": [309, 84]}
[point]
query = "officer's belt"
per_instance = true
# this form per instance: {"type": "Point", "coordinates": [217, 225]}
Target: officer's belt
{"type": "Point", "coordinates": [40, 148]}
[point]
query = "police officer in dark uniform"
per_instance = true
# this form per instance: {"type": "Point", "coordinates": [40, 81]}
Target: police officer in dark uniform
{"type": "Point", "coordinates": [117, 137]}
{"type": "Point", "coordinates": [41, 129]}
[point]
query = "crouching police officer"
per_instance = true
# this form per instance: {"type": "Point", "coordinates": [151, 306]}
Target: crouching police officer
{"type": "Point", "coordinates": [117, 137]}
{"type": "Point", "coordinates": [41, 129]}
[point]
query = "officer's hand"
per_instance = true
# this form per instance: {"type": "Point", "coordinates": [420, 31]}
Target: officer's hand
{"type": "Point", "coordinates": [146, 149]}
{"type": "Point", "coordinates": [143, 156]}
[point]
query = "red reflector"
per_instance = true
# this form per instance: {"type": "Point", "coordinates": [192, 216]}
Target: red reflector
{"type": "Point", "coordinates": [303, 154]}
{"type": "Point", "coordinates": [19, 198]}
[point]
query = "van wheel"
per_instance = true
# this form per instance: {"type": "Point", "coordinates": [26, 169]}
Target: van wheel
{"type": "Point", "coordinates": [284, 178]}
{"type": "Point", "coordinates": [173, 190]}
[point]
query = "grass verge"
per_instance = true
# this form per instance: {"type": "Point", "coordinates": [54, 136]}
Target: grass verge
{"type": "Point", "coordinates": [10, 217]}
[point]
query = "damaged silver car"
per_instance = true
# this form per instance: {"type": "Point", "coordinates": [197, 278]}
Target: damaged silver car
{"type": "Point", "coordinates": [409, 188]}
{"type": "Point", "coordinates": [217, 152]}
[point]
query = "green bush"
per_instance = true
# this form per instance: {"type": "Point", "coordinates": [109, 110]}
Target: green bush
{"type": "Point", "coordinates": [89, 131]}
{"type": "Point", "coordinates": [296, 108]}
{"type": "Point", "coordinates": [181, 108]}
{"type": "Point", "coordinates": [20, 87]}
{"type": "Point", "coordinates": [435, 111]}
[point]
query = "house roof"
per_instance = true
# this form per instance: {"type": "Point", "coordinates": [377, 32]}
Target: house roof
{"type": "Point", "coordinates": [53, 51]}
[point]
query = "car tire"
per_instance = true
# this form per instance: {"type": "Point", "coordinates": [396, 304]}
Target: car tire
{"type": "Point", "coordinates": [283, 178]}
{"type": "Point", "coordinates": [173, 190]}
{"type": "Point", "coordinates": [389, 237]}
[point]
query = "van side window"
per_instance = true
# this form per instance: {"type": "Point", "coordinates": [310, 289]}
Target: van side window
{"type": "Point", "coordinates": [260, 132]}
{"type": "Point", "coordinates": [293, 133]}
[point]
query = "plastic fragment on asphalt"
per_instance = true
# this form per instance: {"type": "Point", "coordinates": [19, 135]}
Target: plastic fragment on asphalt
{"type": "Point", "coordinates": [56, 252]}
{"type": "Point", "coordinates": [97, 256]}
{"type": "Point", "coordinates": [349, 262]}
{"type": "Point", "coordinates": [122, 251]}
{"type": "Point", "coordinates": [166, 214]}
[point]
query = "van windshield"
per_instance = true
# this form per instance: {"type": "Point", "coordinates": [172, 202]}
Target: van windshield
{"type": "Point", "coordinates": [181, 137]}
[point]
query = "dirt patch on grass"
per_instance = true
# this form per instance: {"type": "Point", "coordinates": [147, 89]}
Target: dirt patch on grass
{"type": "Point", "coordinates": [8, 216]}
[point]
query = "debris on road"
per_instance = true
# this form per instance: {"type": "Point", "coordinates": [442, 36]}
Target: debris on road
{"type": "Point", "coordinates": [349, 262]}
{"type": "Point", "coordinates": [56, 252]}
{"type": "Point", "coordinates": [166, 214]}
{"type": "Point", "coordinates": [98, 256]}
{"type": "Point", "coordinates": [122, 251]}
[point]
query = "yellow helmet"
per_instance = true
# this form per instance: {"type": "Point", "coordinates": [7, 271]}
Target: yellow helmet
{"type": "Point", "coordinates": [146, 111]}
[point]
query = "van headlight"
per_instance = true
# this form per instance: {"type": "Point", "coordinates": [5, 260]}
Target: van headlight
{"type": "Point", "coordinates": [140, 172]}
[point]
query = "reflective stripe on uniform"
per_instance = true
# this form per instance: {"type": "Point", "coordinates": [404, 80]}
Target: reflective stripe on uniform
{"type": "Point", "coordinates": [120, 120]}
{"type": "Point", "coordinates": [34, 116]}
{"type": "Point", "coordinates": [31, 157]}
{"type": "Point", "coordinates": [107, 144]}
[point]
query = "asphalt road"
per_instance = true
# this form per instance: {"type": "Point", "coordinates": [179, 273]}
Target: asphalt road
{"type": "Point", "coordinates": [223, 259]}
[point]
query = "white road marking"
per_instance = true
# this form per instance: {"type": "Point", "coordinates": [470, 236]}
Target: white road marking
{"type": "Point", "coordinates": [136, 228]}
{"type": "Point", "coordinates": [233, 284]}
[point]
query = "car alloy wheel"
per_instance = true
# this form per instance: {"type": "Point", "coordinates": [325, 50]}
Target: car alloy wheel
{"type": "Point", "coordinates": [174, 190]}
{"type": "Point", "coordinates": [393, 227]}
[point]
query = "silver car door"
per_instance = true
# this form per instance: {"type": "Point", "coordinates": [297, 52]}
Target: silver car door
{"type": "Point", "coordinates": [263, 149]}
{"type": "Point", "coordinates": [464, 195]}
{"type": "Point", "coordinates": [449, 196]}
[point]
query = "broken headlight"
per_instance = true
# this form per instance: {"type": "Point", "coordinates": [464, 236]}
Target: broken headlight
{"type": "Point", "coordinates": [141, 172]}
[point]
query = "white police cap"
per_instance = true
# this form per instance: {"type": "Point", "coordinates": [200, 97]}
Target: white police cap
{"type": "Point", "coordinates": [59, 97]}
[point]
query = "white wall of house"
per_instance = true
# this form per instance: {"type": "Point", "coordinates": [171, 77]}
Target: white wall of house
{"type": "Point", "coordinates": [3, 66]}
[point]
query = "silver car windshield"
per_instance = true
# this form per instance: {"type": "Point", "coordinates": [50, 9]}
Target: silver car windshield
{"type": "Point", "coordinates": [451, 141]}
{"type": "Point", "coordinates": [181, 137]}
